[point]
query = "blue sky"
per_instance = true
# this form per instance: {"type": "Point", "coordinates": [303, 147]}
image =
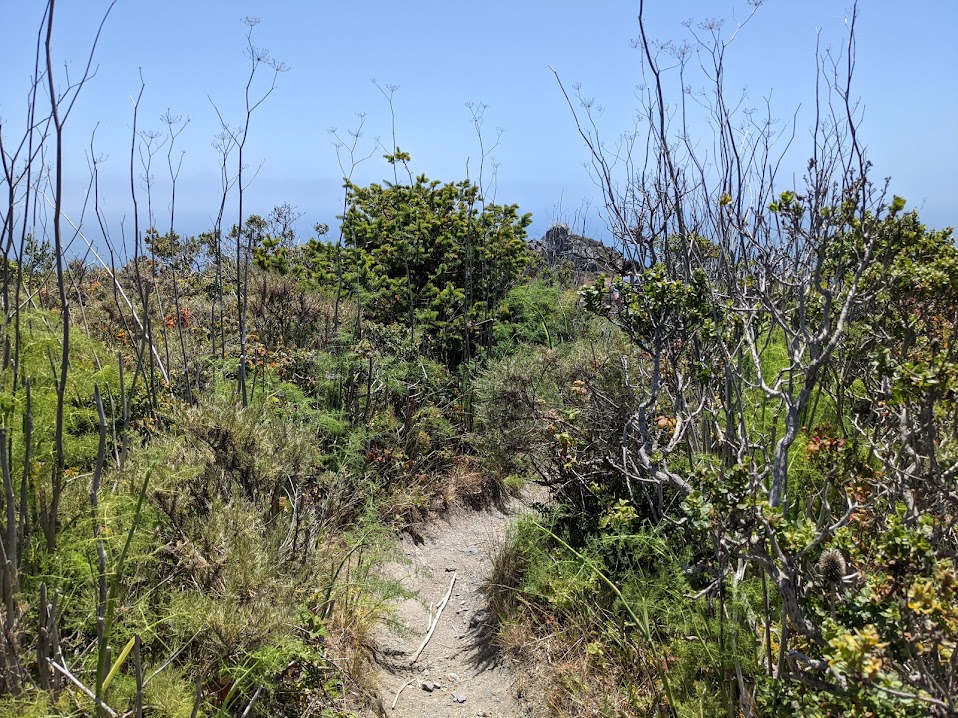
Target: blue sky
{"type": "Point", "coordinates": [442, 55]}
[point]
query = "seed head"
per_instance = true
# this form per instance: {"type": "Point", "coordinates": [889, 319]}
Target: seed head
{"type": "Point", "coordinates": [831, 565]}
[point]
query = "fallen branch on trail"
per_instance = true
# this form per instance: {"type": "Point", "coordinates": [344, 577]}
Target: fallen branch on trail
{"type": "Point", "coordinates": [435, 621]}
{"type": "Point", "coordinates": [401, 689]}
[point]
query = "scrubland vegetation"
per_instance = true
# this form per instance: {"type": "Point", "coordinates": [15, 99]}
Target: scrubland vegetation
{"type": "Point", "coordinates": [749, 437]}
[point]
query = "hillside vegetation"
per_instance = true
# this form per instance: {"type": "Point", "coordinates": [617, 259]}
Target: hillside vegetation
{"type": "Point", "coordinates": [749, 435]}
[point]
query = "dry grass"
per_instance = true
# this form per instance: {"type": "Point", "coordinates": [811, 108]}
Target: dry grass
{"type": "Point", "coordinates": [361, 598]}
{"type": "Point", "coordinates": [423, 496]}
{"type": "Point", "coordinates": [508, 564]}
{"type": "Point", "coordinates": [467, 485]}
{"type": "Point", "coordinates": [348, 649]}
{"type": "Point", "coordinates": [578, 667]}
{"type": "Point", "coordinates": [567, 678]}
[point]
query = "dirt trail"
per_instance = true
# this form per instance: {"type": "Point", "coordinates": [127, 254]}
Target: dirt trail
{"type": "Point", "coordinates": [459, 672]}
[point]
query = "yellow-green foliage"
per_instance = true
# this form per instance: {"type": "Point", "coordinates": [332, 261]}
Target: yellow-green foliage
{"type": "Point", "coordinates": [698, 648]}
{"type": "Point", "coordinates": [91, 364]}
{"type": "Point", "coordinates": [169, 694]}
{"type": "Point", "coordinates": [246, 596]}
{"type": "Point", "coordinates": [72, 568]}
{"type": "Point", "coordinates": [35, 703]}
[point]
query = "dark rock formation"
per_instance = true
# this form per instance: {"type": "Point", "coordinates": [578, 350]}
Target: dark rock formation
{"type": "Point", "coordinates": [586, 256]}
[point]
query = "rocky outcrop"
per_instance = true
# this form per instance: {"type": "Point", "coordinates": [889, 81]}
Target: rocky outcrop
{"type": "Point", "coordinates": [587, 256]}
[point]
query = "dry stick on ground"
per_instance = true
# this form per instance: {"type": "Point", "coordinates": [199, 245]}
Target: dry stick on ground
{"type": "Point", "coordinates": [435, 622]}
{"type": "Point", "coordinates": [401, 689]}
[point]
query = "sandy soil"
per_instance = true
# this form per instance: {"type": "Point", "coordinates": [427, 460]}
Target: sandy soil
{"type": "Point", "coordinates": [459, 673]}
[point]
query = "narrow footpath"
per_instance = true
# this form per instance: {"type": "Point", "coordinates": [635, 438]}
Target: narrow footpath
{"type": "Point", "coordinates": [459, 671]}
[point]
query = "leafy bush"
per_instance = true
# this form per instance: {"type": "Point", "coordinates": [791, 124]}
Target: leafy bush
{"type": "Point", "coordinates": [428, 256]}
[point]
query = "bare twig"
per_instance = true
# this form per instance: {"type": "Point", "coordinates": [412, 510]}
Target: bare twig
{"type": "Point", "coordinates": [83, 689]}
{"type": "Point", "coordinates": [435, 621]}
{"type": "Point", "coordinates": [401, 689]}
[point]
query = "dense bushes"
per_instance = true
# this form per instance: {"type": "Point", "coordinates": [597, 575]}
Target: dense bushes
{"type": "Point", "coordinates": [837, 600]}
{"type": "Point", "coordinates": [749, 436]}
{"type": "Point", "coordinates": [654, 408]}
{"type": "Point", "coordinates": [219, 551]}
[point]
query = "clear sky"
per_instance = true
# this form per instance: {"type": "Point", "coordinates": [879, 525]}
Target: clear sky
{"type": "Point", "coordinates": [443, 54]}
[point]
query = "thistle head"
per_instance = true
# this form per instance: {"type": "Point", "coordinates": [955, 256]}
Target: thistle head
{"type": "Point", "coordinates": [832, 566]}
